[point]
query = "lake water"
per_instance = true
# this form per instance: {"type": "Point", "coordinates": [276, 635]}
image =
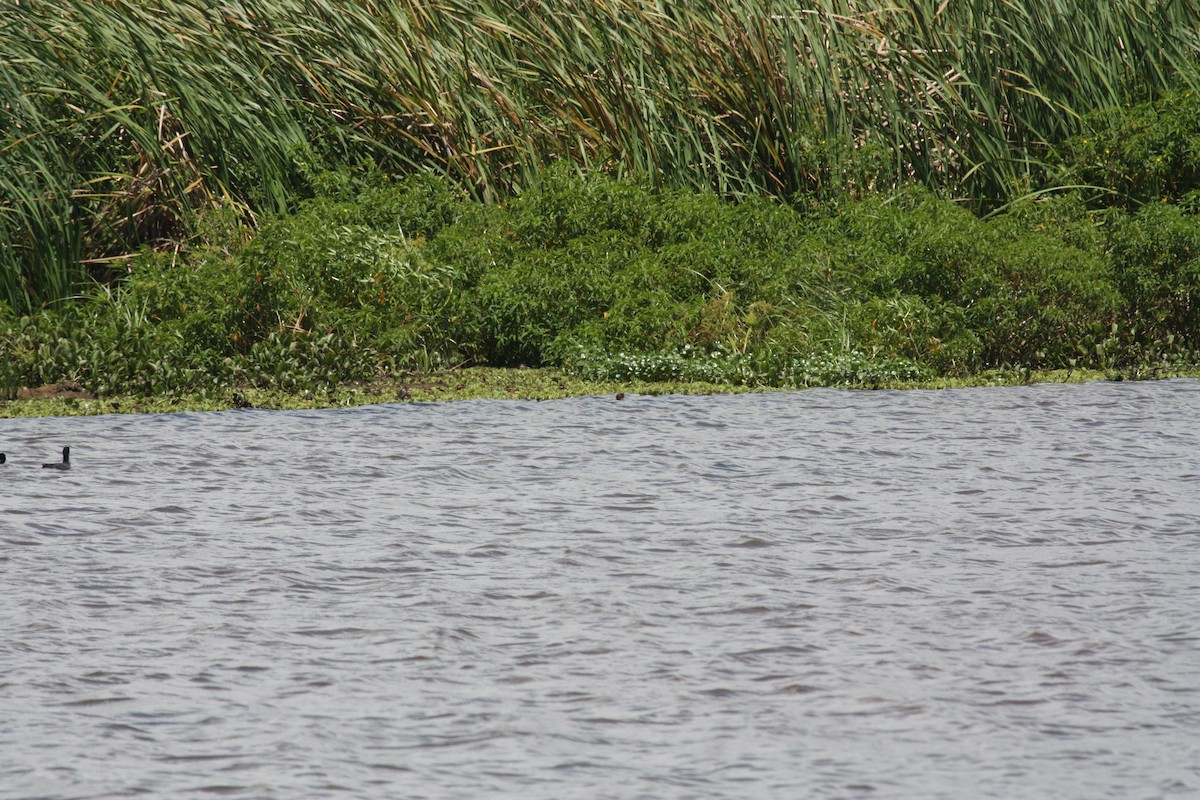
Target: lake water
{"type": "Point", "coordinates": [986, 593]}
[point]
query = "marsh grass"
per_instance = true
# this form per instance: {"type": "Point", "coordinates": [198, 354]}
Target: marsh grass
{"type": "Point", "coordinates": [119, 119]}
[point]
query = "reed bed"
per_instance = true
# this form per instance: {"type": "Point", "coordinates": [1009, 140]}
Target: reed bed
{"type": "Point", "coordinates": [118, 118]}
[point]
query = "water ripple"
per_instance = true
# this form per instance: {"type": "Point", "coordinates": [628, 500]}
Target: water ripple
{"type": "Point", "coordinates": [983, 593]}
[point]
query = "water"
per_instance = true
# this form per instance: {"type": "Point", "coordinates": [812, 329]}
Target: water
{"type": "Point", "coordinates": [988, 593]}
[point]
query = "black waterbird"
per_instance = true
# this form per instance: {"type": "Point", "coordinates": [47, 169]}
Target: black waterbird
{"type": "Point", "coordinates": [3, 458]}
{"type": "Point", "coordinates": [65, 464]}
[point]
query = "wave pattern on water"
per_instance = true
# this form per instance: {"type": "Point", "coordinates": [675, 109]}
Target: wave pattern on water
{"type": "Point", "coordinates": [978, 593]}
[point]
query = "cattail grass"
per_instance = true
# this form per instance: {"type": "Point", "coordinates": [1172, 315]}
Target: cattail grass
{"type": "Point", "coordinates": [119, 118]}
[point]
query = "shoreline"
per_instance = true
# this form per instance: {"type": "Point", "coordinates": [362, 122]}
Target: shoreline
{"type": "Point", "coordinates": [491, 383]}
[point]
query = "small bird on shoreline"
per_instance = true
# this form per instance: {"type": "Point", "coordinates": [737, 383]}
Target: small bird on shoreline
{"type": "Point", "coordinates": [64, 464]}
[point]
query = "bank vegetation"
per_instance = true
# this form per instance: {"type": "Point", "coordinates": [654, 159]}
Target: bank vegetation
{"type": "Point", "coordinates": [292, 195]}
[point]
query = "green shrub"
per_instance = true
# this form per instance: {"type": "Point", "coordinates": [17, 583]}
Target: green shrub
{"type": "Point", "coordinates": [607, 278]}
{"type": "Point", "coordinates": [1156, 264]}
{"type": "Point", "coordinates": [928, 331]}
{"type": "Point", "coordinates": [1146, 153]}
{"type": "Point", "coordinates": [523, 307]}
{"type": "Point", "coordinates": [562, 206]}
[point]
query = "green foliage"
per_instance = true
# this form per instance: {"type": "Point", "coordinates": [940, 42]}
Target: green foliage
{"type": "Point", "coordinates": [562, 207]}
{"type": "Point", "coordinates": [615, 281]}
{"type": "Point", "coordinates": [851, 368]}
{"type": "Point", "coordinates": [928, 331]}
{"type": "Point", "coordinates": [336, 292]}
{"type": "Point", "coordinates": [960, 293]}
{"type": "Point", "coordinates": [1156, 261]}
{"type": "Point", "coordinates": [1146, 153]}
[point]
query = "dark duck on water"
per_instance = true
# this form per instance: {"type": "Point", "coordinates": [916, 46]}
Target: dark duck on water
{"type": "Point", "coordinates": [64, 464]}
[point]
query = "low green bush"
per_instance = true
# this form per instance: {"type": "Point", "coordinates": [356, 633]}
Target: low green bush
{"type": "Point", "coordinates": [1155, 257]}
{"type": "Point", "coordinates": [1146, 153]}
{"type": "Point", "coordinates": [612, 280]}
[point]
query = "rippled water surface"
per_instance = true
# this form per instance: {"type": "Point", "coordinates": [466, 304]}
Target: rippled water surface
{"type": "Point", "coordinates": [988, 593]}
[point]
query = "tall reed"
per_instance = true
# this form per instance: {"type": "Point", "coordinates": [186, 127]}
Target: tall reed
{"type": "Point", "coordinates": [117, 117]}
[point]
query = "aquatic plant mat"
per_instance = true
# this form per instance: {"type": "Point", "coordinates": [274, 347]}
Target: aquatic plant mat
{"type": "Point", "coordinates": [478, 383]}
